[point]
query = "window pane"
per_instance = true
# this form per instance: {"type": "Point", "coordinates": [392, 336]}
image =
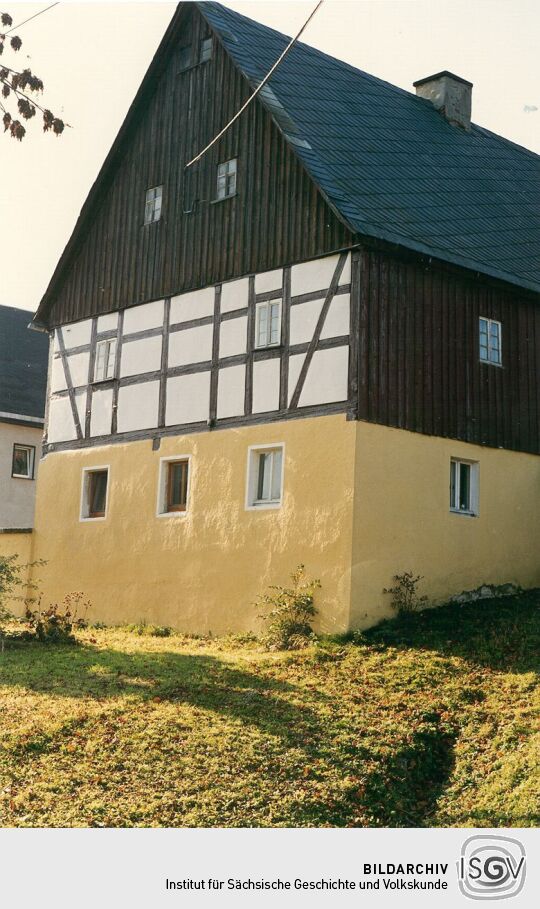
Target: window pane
{"type": "Point", "coordinates": [97, 497]}
{"type": "Point", "coordinates": [177, 486]}
{"type": "Point", "coordinates": [276, 475]}
{"type": "Point", "coordinates": [111, 350]}
{"type": "Point", "coordinates": [262, 324]}
{"type": "Point", "coordinates": [184, 57]}
{"type": "Point", "coordinates": [206, 50]}
{"type": "Point", "coordinates": [275, 320]}
{"type": "Point", "coordinates": [464, 487]}
{"type": "Point", "coordinates": [453, 479]}
{"type": "Point", "coordinates": [264, 478]}
{"type": "Point", "coordinates": [21, 461]}
{"type": "Point", "coordinates": [226, 178]}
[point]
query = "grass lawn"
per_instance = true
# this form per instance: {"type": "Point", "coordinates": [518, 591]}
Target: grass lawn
{"type": "Point", "coordinates": [426, 722]}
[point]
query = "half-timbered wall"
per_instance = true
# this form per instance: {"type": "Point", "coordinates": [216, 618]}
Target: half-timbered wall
{"type": "Point", "coordinates": [277, 217]}
{"type": "Point", "coordinates": [419, 364]}
{"type": "Point", "coordinates": [188, 362]}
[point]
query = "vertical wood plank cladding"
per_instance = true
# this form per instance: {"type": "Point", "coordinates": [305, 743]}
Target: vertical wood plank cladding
{"type": "Point", "coordinates": [277, 217]}
{"type": "Point", "coordinates": [419, 365]}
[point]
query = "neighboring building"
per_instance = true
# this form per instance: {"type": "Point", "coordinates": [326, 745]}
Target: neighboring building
{"type": "Point", "coordinates": [23, 381]}
{"type": "Point", "coordinates": [319, 344]}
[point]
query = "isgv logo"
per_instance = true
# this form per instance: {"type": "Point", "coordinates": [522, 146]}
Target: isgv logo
{"type": "Point", "coordinates": [491, 867]}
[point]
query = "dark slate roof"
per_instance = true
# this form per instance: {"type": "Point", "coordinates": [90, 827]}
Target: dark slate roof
{"type": "Point", "coordinates": [23, 364]}
{"type": "Point", "coordinates": [390, 164]}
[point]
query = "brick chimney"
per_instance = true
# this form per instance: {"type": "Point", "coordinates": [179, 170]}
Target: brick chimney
{"type": "Point", "coordinates": [450, 95]}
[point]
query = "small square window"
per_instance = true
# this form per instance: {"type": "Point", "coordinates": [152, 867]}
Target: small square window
{"type": "Point", "coordinates": [94, 493]}
{"type": "Point", "coordinates": [205, 50]}
{"type": "Point", "coordinates": [184, 57]}
{"type": "Point", "coordinates": [152, 208]}
{"type": "Point", "coordinates": [490, 341]}
{"type": "Point", "coordinates": [464, 487]}
{"type": "Point", "coordinates": [23, 462]}
{"type": "Point", "coordinates": [265, 477]}
{"type": "Point", "coordinates": [268, 324]}
{"type": "Point", "coordinates": [105, 360]}
{"type": "Point", "coordinates": [173, 489]}
{"type": "Point", "coordinates": [226, 179]}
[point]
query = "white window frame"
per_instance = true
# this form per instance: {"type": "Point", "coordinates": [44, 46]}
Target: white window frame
{"type": "Point", "coordinates": [267, 307]}
{"type": "Point", "coordinates": [252, 477]}
{"type": "Point", "coordinates": [489, 359]}
{"type": "Point", "coordinates": [31, 449]}
{"type": "Point", "coordinates": [226, 181]}
{"type": "Point", "coordinates": [161, 505]}
{"type": "Point", "coordinates": [153, 204]}
{"type": "Point", "coordinates": [84, 508]}
{"type": "Point", "coordinates": [108, 344]}
{"type": "Point", "coordinates": [474, 487]}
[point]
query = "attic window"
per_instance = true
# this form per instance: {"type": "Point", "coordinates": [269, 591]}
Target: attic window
{"type": "Point", "coordinates": [184, 57]}
{"type": "Point", "coordinates": [226, 179]}
{"type": "Point", "coordinates": [152, 208]}
{"type": "Point", "coordinates": [205, 50]}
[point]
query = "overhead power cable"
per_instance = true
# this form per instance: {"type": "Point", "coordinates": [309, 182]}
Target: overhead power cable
{"type": "Point", "coordinates": [282, 56]}
{"type": "Point", "coordinates": [20, 25]}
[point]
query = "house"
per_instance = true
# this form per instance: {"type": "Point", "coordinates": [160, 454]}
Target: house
{"type": "Point", "coordinates": [23, 382]}
{"type": "Point", "coordinates": [320, 343]}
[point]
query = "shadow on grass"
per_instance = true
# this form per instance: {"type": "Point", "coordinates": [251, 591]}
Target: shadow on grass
{"type": "Point", "coordinates": [502, 634]}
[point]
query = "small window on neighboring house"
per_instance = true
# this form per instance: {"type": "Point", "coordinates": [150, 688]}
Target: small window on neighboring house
{"type": "Point", "coordinates": [265, 477]}
{"type": "Point", "coordinates": [268, 324]}
{"type": "Point", "coordinates": [152, 208]}
{"type": "Point", "coordinates": [94, 493]}
{"type": "Point", "coordinates": [226, 179]}
{"type": "Point", "coordinates": [184, 57]}
{"type": "Point", "coordinates": [490, 341]}
{"type": "Point", "coordinates": [105, 360]}
{"type": "Point", "coordinates": [205, 50]}
{"type": "Point", "coordinates": [23, 462]}
{"type": "Point", "coordinates": [173, 486]}
{"type": "Point", "coordinates": [464, 487]}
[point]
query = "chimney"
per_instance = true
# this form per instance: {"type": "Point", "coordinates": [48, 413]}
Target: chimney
{"type": "Point", "coordinates": [450, 95]}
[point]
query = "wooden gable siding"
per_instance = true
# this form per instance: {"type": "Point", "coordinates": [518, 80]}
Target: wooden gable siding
{"type": "Point", "coordinates": [278, 216]}
{"type": "Point", "coordinates": [419, 366]}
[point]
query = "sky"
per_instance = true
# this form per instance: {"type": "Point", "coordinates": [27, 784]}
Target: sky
{"type": "Point", "coordinates": [92, 57]}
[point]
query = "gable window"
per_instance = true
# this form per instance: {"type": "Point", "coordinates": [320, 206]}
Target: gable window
{"type": "Point", "coordinates": [23, 462]}
{"type": "Point", "coordinates": [152, 207]}
{"type": "Point", "coordinates": [105, 360]}
{"type": "Point", "coordinates": [268, 324]}
{"type": "Point", "coordinates": [265, 477]}
{"type": "Point", "coordinates": [173, 491]}
{"type": "Point", "coordinates": [205, 52]}
{"type": "Point", "coordinates": [94, 493]}
{"type": "Point", "coordinates": [226, 179]}
{"type": "Point", "coordinates": [490, 341]}
{"type": "Point", "coordinates": [464, 487]}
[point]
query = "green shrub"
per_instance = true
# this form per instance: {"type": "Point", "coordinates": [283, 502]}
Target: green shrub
{"type": "Point", "coordinates": [405, 599]}
{"type": "Point", "coordinates": [290, 613]}
{"type": "Point", "coordinates": [13, 577]}
{"type": "Point", "coordinates": [56, 624]}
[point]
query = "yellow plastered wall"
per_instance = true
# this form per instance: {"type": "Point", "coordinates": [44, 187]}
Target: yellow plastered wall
{"type": "Point", "coordinates": [21, 545]}
{"type": "Point", "coordinates": [402, 519]}
{"type": "Point", "coordinates": [201, 572]}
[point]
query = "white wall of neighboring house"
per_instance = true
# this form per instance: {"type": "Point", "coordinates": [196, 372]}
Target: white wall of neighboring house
{"type": "Point", "coordinates": [17, 495]}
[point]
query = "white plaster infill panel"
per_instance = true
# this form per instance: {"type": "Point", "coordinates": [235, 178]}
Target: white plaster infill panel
{"type": "Point", "coordinates": [61, 426]}
{"type": "Point", "coordinates": [233, 337]}
{"type": "Point", "coordinates": [191, 345]}
{"type": "Point", "coordinates": [78, 368]}
{"type": "Point", "coordinates": [304, 318]}
{"type": "Point", "coordinates": [234, 295]}
{"type": "Point", "coordinates": [269, 280]}
{"type": "Point", "coordinates": [195, 305]}
{"type": "Point", "coordinates": [295, 365]}
{"type": "Point", "coordinates": [266, 385]}
{"type": "Point", "coordinates": [188, 399]}
{"type": "Point", "coordinates": [140, 356]}
{"type": "Point", "coordinates": [138, 406]}
{"type": "Point", "coordinates": [139, 318]}
{"type": "Point", "coordinates": [326, 379]}
{"type": "Point", "coordinates": [307, 277]}
{"type": "Point", "coordinates": [108, 322]}
{"type": "Point", "coordinates": [337, 322]}
{"type": "Point", "coordinates": [101, 419]}
{"type": "Point", "coordinates": [75, 334]}
{"type": "Point", "coordinates": [231, 392]}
